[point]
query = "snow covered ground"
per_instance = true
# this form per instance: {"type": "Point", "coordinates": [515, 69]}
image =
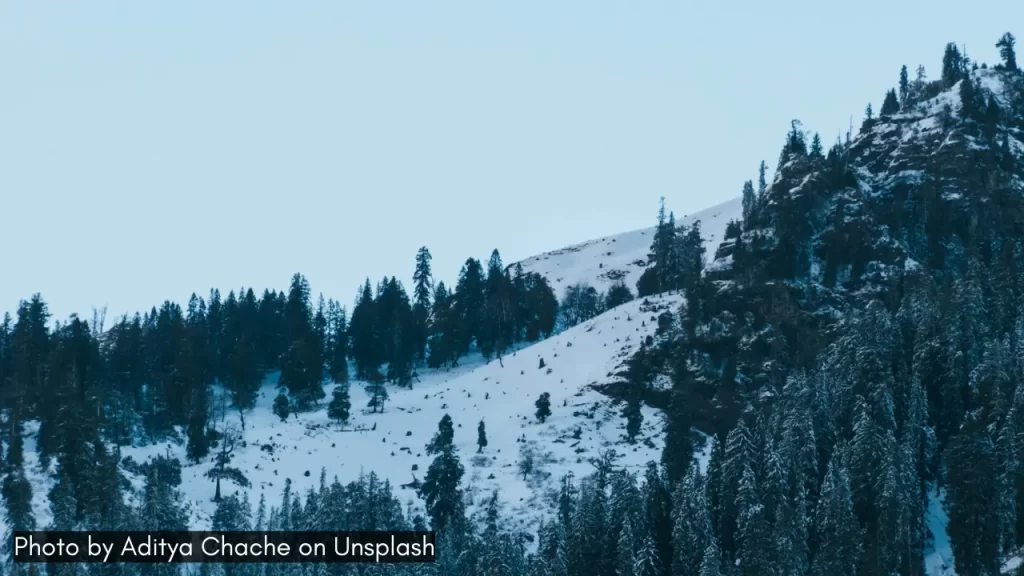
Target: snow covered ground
{"type": "Point", "coordinates": [623, 257]}
{"type": "Point", "coordinates": [502, 394]}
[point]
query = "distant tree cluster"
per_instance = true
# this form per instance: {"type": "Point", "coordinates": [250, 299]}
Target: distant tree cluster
{"type": "Point", "coordinates": [676, 260]}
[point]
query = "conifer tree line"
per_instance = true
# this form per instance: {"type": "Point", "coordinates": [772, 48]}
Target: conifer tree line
{"type": "Point", "coordinates": [153, 373]}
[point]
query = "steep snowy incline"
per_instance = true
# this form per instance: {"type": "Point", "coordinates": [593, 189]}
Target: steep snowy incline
{"type": "Point", "coordinates": [583, 424]}
{"type": "Point", "coordinates": [623, 257]}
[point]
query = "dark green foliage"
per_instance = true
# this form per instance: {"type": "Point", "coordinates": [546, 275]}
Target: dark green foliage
{"type": "Point", "coordinates": [282, 407]}
{"type": "Point", "coordinates": [973, 518]}
{"type": "Point", "coordinates": [423, 289]}
{"type": "Point", "coordinates": [440, 489]}
{"type": "Point", "coordinates": [618, 294]}
{"type": "Point", "coordinates": [543, 405]}
{"type": "Point", "coordinates": [363, 334]}
{"type": "Point", "coordinates": [639, 372]}
{"type": "Point", "coordinates": [749, 201]}
{"type": "Point", "coordinates": [16, 489]}
{"type": "Point", "coordinates": [891, 104]}
{"type": "Point", "coordinates": [337, 342]}
{"type": "Point", "coordinates": [441, 343]}
{"type": "Point", "coordinates": [302, 365]}
{"type": "Point", "coordinates": [971, 102]}
{"type": "Point", "coordinates": [377, 390]}
{"type": "Point", "coordinates": [481, 437]}
{"type": "Point", "coordinates": [468, 305]}
{"type": "Point", "coordinates": [953, 65]}
{"type": "Point", "coordinates": [676, 259]}
{"type": "Point", "coordinates": [904, 94]}
{"type": "Point", "coordinates": [1006, 46]}
{"type": "Point", "coordinates": [796, 142]}
{"type": "Point", "coordinates": [678, 451]}
{"type": "Point", "coordinates": [648, 284]}
{"type": "Point", "coordinates": [835, 526]}
{"type": "Point", "coordinates": [500, 310]}
{"type": "Point", "coordinates": [816, 150]}
{"type": "Point", "coordinates": [338, 408]}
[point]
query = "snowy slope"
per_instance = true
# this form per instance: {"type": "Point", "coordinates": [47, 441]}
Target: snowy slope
{"type": "Point", "coordinates": [602, 261]}
{"type": "Point", "coordinates": [501, 393]}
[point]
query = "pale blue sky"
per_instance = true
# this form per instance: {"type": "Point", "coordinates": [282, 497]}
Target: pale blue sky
{"type": "Point", "coordinates": [152, 149]}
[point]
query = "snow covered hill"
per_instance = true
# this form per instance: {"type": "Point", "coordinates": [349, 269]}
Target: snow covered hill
{"type": "Point", "coordinates": [584, 423]}
{"type": "Point", "coordinates": [623, 257]}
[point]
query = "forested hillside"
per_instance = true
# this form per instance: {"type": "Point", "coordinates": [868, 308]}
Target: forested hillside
{"type": "Point", "coordinates": [856, 344]}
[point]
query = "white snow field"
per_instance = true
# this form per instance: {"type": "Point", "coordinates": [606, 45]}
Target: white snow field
{"type": "Point", "coordinates": [502, 394]}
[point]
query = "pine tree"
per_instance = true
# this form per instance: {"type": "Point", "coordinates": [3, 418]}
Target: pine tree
{"type": "Point", "coordinates": [231, 515]}
{"type": "Point", "coordinates": [240, 350]}
{"type": "Point", "coordinates": [749, 204]}
{"type": "Point", "coordinates": [904, 95]}
{"type": "Point", "coordinates": [543, 405]}
{"type": "Point", "coordinates": [762, 182]}
{"type": "Point", "coordinates": [796, 142]}
{"type": "Point", "coordinates": [973, 515]}
{"type": "Point", "coordinates": [541, 308]}
{"type": "Point", "coordinates": [729, 461]}
{"type": "Point", "coordinates": [752, 526]}
{"type": "Point", "coordinates": [657, 509]}
{"type": "Point", "coordinates": [423, 288]}
{"type": "Point", "coordinates": [678, 450]}
{"type": "Point", "coordinates": [891, 104]}
{"type": "Point", "coordinates": [711, 565]}
{"type": "Point", "coordinates": [664, 232]}
{"type": "Point", "coordinates": [282, 408]}
{"type": "Point", "coordinates": [627, 546]}
{"type": "Point", "coordinates": [692, 530]}
{"type": "Point", "coordinates": [970, 100]}
{"type": "Point", "coordinates": [363, 334]}
{"type": "Point", "coordinates": [440, 489]}
{"type": "Point", "coordinates": [481, 437]}
{"type": "Point", "coordinates": [337, 342]}
{"type": "Point", "coordinates": [835, 525]}
{"type": "Point", "coordinates": [377, 390]}
{"type": "Point", "coordinates": [1006, 51]}
{"type": "Point", "coordinates": [302, 366]}
{"type": "Point", "coordinates": [817, 151]}
{"type": "Point", "coordinates": [646, 562]}
{"type": "Point", "coordinates": [441, 342]}
{"type": "Point", "coordinates": [338, 409]}
{"type": "Point", "coordinates": [16, 489]}
{"type": "Point", "coordinates": [468, 305]}
{"type": "Point", "coordinates": [952, 65]}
